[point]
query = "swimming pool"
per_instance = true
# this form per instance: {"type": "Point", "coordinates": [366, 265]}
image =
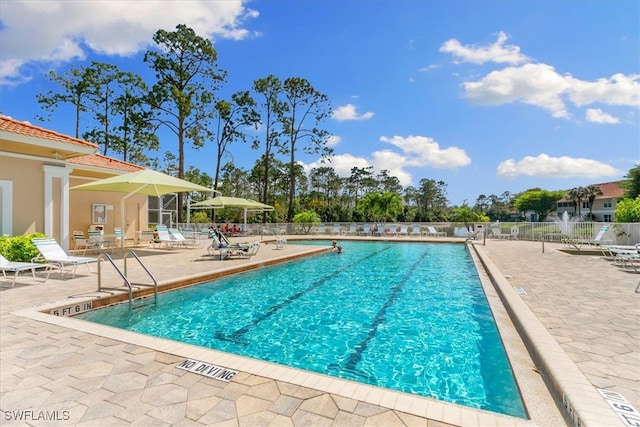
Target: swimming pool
{"type": "Point", "coordinates": [407, 316]}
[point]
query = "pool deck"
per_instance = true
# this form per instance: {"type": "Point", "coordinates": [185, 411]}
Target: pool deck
{"type": "Point", "coordinates": [579, 315]}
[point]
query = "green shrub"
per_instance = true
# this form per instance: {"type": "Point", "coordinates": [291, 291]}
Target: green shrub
{"type": "Point", "coordinates": [19, 248]}
{"type": "Point", "coordinates": [307, 219]}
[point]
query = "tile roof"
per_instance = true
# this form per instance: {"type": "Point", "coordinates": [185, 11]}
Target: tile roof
{"type": "Point", "coordinates": [100, 161]}
{"type": "Point", "coordinates": [610, 190]}
{"type": "Point", "coordinates": [9, 124]}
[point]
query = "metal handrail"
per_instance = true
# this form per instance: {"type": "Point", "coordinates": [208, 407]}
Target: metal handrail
{"type": "Point", "coordinates": [101, 257]}
{"type": "Point", "coordinates": [106, 256]}
{"type": "Point", "coordinates": [144, 267]}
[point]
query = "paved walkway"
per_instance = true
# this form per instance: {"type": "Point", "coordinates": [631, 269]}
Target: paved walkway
{"type": "Point", "coordinates": [73, 373]}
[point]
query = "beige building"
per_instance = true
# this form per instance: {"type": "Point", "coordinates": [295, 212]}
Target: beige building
{"type": "Point", "coordinates": [603, 206]}
{"type": "Point", "coordinates": [37, 169]}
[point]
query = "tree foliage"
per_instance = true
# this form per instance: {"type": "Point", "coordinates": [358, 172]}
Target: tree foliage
{"type": "Point", "coordinates": [305, 108]}
{"type": "Point", "coordinates": [627, 210]}
{"type": "Point", "coordinates": [632, 183]}
{"type": "Point", "coordinates": [185, 67]}
{"type": "Point", "coordinates": [307, 219]}
{"type": "Point", "coordinates": [381, 206]}
{"type": "Point", "coordinates": [542, 202]}
{"type": "Point", "coordinates": [74, 90]}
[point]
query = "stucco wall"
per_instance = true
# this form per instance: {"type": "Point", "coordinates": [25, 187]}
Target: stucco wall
{"type": "Point", "coordinates": [28, 193]}
{"type": "Point", "coordinates": [81, 205]}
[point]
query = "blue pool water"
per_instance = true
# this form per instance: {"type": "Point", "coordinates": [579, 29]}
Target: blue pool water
{"type": "Point", "coordinates": [406, 316]}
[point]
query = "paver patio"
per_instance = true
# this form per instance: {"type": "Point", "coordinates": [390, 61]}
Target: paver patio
{"type": "Point", "coordinates": [94, 375]}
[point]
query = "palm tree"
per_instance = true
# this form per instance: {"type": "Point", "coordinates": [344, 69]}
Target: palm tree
{"type": "Point", "coordinates": [576, 194]}
{"type": "Point", "coordinates": [381, 206]}
{"type": "Point", "coordinates": [591, 192]}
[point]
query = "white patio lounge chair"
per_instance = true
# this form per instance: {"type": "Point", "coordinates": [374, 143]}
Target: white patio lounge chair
{"type": "Point", "coordinates": [51, 252]}
{"type": "Point", "coordinates": [366, 230]}
{"type": "Point", "coordinates": [353, 230]}
{"type": "Point", "coordinates": [415, 230]}
{"type": "Point", "coordinates": [164, 236]}
{"type": "Point", "coordinates": [596, 242]}
{"type": "Point", "coordinates": [496, 233]}
{"type": "Point", "coordinates": [431, 231]}
{"type": "Point", "coordinates": [180, 239]}
{"type": "Point", "coordinates": [16, 267]}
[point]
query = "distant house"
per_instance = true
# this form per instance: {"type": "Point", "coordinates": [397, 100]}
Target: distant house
{"type": "Point", "coordinates": [37, 169]}
{"type": "Point", "coordinates": [603, 207]}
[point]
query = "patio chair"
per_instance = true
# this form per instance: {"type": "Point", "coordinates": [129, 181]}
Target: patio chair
{"type": "Point", "coordinates": [336, 229]}
{"type": "Point", "coordinates": [180, 239]}
{"type": "Point", "coordinates": [353, 230]}
{"type": "Point", "coordinates": [51, 252]}
{"type": "Point", "coordinates": [391, 230]}
{"type": "Point", "coordinates": [496, 233]}
{"type": "Point", "coordinates": [431, 231]}
{"type": "Point", "coordinates": [415, 230]}
{"type": "Point", "coordinates": [225, 249]}
{"type": "Point", "coordinates": [16, 267]}
{"type": "Point", "coordinates": [322, 229]}
{"type": "Point", "coordinates": [164, 236]}
{"type": "Point", "coordinates": [243, 250]}
{"type": "Point", "coordinates": [596, 242]}
{"type": "Point", "coordinates": [96, 239]}
{"type": "Point", "coordinates": [404, 230]}
{"type": "Point", "coordinates": [82, 243]}
{"type": "Point", "coordinates": [366, 230]}
{"type": "Point", "coordinates": [281, 242]}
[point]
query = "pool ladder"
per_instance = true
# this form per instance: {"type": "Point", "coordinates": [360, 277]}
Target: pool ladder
{"type": "Point", "coordinates": [122, 274]}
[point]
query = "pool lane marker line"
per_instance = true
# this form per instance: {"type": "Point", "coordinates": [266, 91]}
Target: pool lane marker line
{"type": "Point", "coordinates": [208, 370]}
{"type": "Point", "coordinates": [356, 355]}
{"type": "Point", "coordinates": [236, 336]}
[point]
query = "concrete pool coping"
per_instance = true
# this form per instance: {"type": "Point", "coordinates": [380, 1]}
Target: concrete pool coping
{"type": "Point", "coordinates": [590, 410]}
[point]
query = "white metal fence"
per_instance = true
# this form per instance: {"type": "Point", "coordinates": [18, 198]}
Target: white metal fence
{"type": "Point", "coordinates": [616, 233]}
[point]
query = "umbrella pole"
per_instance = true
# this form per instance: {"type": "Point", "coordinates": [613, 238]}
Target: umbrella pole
{"type": "Point", "coordinates": [123, 216]}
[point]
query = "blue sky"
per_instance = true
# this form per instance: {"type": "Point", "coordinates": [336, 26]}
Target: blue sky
{"type": "Point", "coordinates": [487, 96]}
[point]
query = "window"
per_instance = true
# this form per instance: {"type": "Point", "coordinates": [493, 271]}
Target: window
{"type": "Point", "coordinates": [608, 204]}
{"type": "Point", "coordinates": [607, 218]}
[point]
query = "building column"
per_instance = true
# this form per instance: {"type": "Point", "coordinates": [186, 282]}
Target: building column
{"type": "Point", "coordinates": [51, 173]}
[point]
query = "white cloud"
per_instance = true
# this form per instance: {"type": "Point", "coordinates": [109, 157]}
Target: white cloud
{"type": "Point", "coordinates": [535, 84]}
{"type": "Point", "coordinates": [424, 151]}
{"type": "Point", "coordinates": [348, 112]}
{"type": "Point", "coordinates": [113, 28]}
{"type": "Point", "coordinates": [429, 68]}
{"type": "Point", "coordinates": [538, 84]}
{"type": "Point", "coordinates": [496, 52]}
{"type": "Point", "coordinates": [617, 90]}
{"type": "Point", "coordinates": [333, 140]}
{"type": "Point", "coordinates": [341, 164]}
{"type": "Point", "coordinates": [596, 115]}
{"type": "Point", "coordinates": [544, 166]}
{"type": "Point", "coordinates": [415, 151]}
{"type": "Point", "coordinates": [542, 86]}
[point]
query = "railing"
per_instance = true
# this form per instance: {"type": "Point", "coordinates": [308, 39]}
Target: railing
{"type": "Point", "coordinates": [144, 267]}
{"type": "Point", "coordinates": [129, 285]}
{"type": "Point", "coordinates": [618, 233]}
{"type": "Point", "coordinates": [101, 258]}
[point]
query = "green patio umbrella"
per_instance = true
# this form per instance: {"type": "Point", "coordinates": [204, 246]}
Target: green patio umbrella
{"type": "Point", "coordinates": [234, 202]}
{"type": "Point", "coordinates": [144, 181]}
